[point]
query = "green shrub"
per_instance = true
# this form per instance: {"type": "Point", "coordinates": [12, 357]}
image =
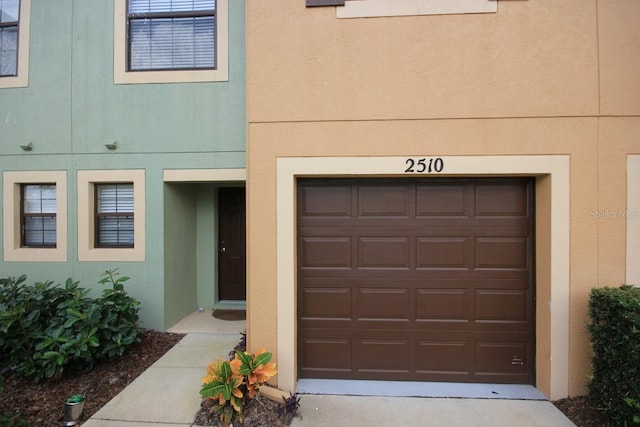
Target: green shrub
{"type": "Point", "coordinates": [615, 337]}
{"type": "Point", "coordinates": [119, 322]}
{"type": "Point", "coordinates": [48, 327]}
{"type": "Point", "coordinates": [10, 419]}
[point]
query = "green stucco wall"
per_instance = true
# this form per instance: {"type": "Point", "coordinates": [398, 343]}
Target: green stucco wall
{"type": "Point", "coordinates": [71, 108]}
{"type": "Point", "coordinates": [179, 258]}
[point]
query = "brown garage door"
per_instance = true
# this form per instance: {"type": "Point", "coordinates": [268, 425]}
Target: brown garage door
{"type": "Point", "coordinates": [416, 279]}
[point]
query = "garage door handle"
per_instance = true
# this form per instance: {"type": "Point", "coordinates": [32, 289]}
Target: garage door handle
{"type": "Point", "coordinates": [517, 361]}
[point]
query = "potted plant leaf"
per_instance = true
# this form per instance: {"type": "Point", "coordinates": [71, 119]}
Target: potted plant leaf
{"type": "Point", "coordinates": [73, 407]}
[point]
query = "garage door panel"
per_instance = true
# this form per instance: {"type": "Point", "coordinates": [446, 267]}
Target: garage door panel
{"type": "Point", "coordinates": [330, 303]}
{"type": "Point", "coordinates": [326, 201]}
{"type": "Point", "coordinates": [443, 252]}
{"type": "Point", "coordinates": [502, 252]}
{"type": "Point", "coordinates": [383, 304]}
{"type": "Point", "coordinates": [427, 280]}
{"type": "Point", "coordinates": [422, 278]}
{"type": "Point", "coordinates": [444, 357]}
{"type": "Point", "coordinates": [442, 304]}
{"type": "Point", "coordinates": [383, 356]}
{"type": "Point", "coordinates": [328, 354]}
{"type": "Point", "coordinates": [438, 200]}
{"type": "Point", "coordinates": [502, 359]}
{"type": "Point", "coordinates": [502, 305]}
{"type": "Point", "coordinates": [384, 201]}
{"type": "Point", "coordinates": [501, 199]}
{"type": "Point", "coordinates": [438, 252]}
{"type": "Point", "coordinates": [326, 252]}
{"type": "Point", "coordinates": [494, 227]}
{"type": "Point", "coordinates": [384, 252]}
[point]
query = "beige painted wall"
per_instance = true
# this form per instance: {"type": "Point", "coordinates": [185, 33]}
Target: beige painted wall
{"type": "Point", "coordinates": [532, 58]}
{"type": "Point", "coordinates": [539, 77]}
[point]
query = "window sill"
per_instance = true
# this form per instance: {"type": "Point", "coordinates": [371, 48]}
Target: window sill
{"type": "Point", "coordinates": [21, 80]}
{"type": "Point", "coordinates": [178, 76]}
{"type": "Point", "coordinates": [380, 8]}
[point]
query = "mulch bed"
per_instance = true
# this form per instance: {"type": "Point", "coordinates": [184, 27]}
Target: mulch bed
{"type": "Point", "coordinates": [260, 412]}
{"type": "Point", "coordinates": [581, 413]}
{"type": "Point", "coordinates": [43, 404]}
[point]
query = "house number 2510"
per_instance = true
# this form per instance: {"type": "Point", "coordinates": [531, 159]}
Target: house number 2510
{"type": "Point", "coordinates": [424, 165]}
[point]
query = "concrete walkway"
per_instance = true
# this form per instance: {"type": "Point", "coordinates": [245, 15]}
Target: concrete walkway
{"type": "Point", "coordinates": [167, 395]}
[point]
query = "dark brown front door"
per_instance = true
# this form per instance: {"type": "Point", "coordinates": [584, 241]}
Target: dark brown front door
{"type": "Point", "coordinates": [231, 244]}
{"type": "Point", "coordinates": [420, 280]}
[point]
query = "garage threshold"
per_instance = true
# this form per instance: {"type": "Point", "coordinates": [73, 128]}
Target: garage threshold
{"type": "Point", "coordinates": [419, 389]}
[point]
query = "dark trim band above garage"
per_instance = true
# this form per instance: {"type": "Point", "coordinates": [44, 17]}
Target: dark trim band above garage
{"type": "Point", "coordinates": [314, 3]}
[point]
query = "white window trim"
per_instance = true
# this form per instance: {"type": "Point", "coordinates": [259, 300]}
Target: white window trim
{"type": "Point", "coordinates": [11, 216]}
{"type": "Point", "coordinates": [122, 76]}
{"type": "Point", "coordinates": [86, 215]}
{"type": "Point", "coordinates": [22, 79]}
{"type": "Point", "coordinates": [633, 219]}
{"type": "Point", "coordinates": [378, 8]}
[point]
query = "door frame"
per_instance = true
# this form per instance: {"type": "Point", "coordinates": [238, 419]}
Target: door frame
{"type": "Point", "coordinates": [552, 229]}
{"type": "Point", "coordinates": [229, 177]}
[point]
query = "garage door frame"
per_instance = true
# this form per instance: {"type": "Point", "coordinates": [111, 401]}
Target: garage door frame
{"type": "Point", "coordinates": [552, 174]}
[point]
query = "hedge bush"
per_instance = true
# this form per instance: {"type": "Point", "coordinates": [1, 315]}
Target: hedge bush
{"type": "Point", "coordinates": [47, 327]}
{"type": "Point", "coordinates": [615, 337]}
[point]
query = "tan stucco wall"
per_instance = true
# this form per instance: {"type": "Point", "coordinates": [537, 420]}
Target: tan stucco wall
{"type": "Point", "coordinates": [532, 58]}
{"type": "Point", "coordinates": [618, 40]}
{"type": "Point", "coordinates": [540, 77]}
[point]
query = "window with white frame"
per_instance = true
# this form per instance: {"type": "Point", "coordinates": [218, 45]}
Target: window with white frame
{"type": "Point", "coordinates": [111, 215]}
{"type": "Point", "coordinates": [14, 43]}
{"type": "Point", "coordinates": [34, 223]}
{"type": "Point", "coordinates": [114, 215]}
{"type": "Point", "coordinates": [166, 41]}
{"type": "Point", "coordinates": [38, 215]}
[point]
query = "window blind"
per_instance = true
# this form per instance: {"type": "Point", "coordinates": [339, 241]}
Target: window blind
{"type": "Point", "coordinates": [145, 6]}
{"type": "Point", "coordinates": [172, 34]}
{"type": "Point", "coordinates": [114, 215]}
{"type": "Point", "coordinates": [9, 15]}
{"type": "Point", "coordinates": [39, 215]}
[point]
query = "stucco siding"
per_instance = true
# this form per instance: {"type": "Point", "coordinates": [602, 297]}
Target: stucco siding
{"type": "Point", "coordinates": [537, 78]}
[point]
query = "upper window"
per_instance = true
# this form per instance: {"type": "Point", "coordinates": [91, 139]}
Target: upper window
{"type": "Point", "coordinates": [165, 41]}
{"type": "Point", "coordinates": [9, 17]}
{"type": "Point", "coordinates": [14, 42]}
{"type": "Point", "coordinates": [172, 34]}
{"type": "Point", "coordinates": [114, 215]}
{"type": "Point", "coordinates": [38, 215]}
